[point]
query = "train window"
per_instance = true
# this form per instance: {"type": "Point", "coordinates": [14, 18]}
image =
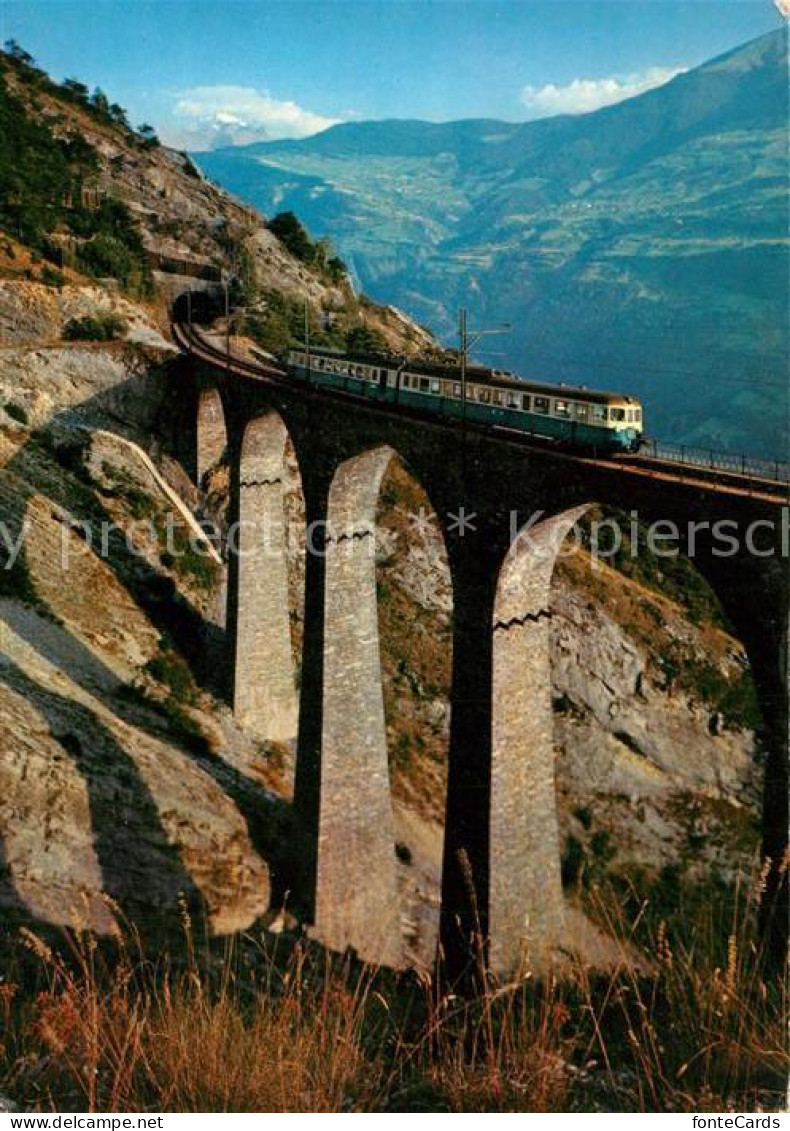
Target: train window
{"type": "Point", "coordinates": [526, 402]}
{"type": "Point", "coordinates": [599, 413]}
{"type": "Point", "coordinates": [496, 396]}
{"type": "Point", "coordinates": [484, 395]}
{"type": "Point", "coordinates": [456, 390]}
{"type": "Point", "coordinates": [562, 408]}
{"type": "Point", "coordinates": [424, 384]}
{"type": "Point", "coordinates": [580, 411]}
{"type": "Point", "coordinates": [512, 400]}
{"type": "Point", "coordinates": [617, 414]}
{"type": "Point", "coordinates": [436, 387]}
{"type": "Point", "coordinates": [541, 404]}
{"type": "Point", "coordinates": [637, 416]}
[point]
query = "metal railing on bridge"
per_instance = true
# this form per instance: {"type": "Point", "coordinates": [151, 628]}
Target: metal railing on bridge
{"type": "Point", "coordinates": [776, 470]}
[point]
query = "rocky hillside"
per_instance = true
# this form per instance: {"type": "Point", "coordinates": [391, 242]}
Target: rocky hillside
{"type": "Point", "coordinates": [83, 196]}
{"type": "Point", "coordinates": [643, 246]}
{"type": "Point", "coordinates": [126, 789]}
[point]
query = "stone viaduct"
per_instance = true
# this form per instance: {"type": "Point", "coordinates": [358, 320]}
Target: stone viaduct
{"type": "Point", "coordinates": [501, 871]}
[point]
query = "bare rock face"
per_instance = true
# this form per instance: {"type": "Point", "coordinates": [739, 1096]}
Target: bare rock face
{"type": "Point", "coordinates": [121, 799]}
{"type": "Point", "coordinates": [31, 314]}
{"type": "Point", "coordinates": [109, 384]}
{"type": "Point", "coordinates": [612, 690]}
{"type": "Point", "coordinates": [651, 765]}
{"type": "Point", "coordinates": [96, 806]}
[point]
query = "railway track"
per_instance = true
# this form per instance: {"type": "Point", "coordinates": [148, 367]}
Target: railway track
{"type": "Point", "coordinates": [768, 480]}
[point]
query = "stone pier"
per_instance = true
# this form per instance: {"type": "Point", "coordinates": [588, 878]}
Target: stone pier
{"type": "Point", "coordinates": [356, 891]}
{"type": "Point", "coordinates": [264, 698]}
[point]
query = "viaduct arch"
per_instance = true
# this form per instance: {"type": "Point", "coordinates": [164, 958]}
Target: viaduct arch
{"type": "Point", "coordinates": [501, 863]}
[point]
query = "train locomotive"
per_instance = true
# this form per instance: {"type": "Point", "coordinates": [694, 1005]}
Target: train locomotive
{"type": "Point", "coordinates": [567, 415]}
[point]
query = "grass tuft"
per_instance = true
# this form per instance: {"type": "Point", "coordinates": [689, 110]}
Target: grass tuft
{"type": "Point", "coordinates": [687, 1021]}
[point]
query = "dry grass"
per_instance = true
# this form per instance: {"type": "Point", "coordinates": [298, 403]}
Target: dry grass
{"type": "Point", "coordinates": [257, 1032]}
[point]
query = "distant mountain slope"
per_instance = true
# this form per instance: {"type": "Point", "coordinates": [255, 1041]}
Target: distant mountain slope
{"type": "Point", "coordinates": [644, 245]}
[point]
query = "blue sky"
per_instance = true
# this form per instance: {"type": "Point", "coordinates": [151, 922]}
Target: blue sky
{"type": "Point", "coordinates": [241, 69]}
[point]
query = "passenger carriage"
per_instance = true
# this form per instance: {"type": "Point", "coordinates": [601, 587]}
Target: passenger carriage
{"type": "Point", "coordinates": [565, 414]}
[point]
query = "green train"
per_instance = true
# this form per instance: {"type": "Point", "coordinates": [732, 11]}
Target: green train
{"type": "Point", "coordinates": [570, 415]}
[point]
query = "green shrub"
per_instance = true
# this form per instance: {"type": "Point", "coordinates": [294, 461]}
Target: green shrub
{"type": "Point", "coordinates": [336, 269]}
{"type": "Point", "coordinates": [291, 232]}
{"type": "Point", "coordinates": [104, 327]}
{"type": "Point", "coordinates": [601, 846]}
{"type": "Point", "coordinates": [734, 699]}
{"type": "Point", "coordinates": [16, 412]}
{"type": "Point", "coordinates": [279, 324]}
{"type": "Point", "coordinates": [181, 726]}
{"type": "Point", "coordinates": [17, 584]}
{"type": "Point", "coordinates": [123, 486]}
{"type": "Point", "coordinates": [318, 254]}
{"type": "Point", "coordinates": [573, 859]}
{"type": "Point", "coordinates": [186, 730]}
{"type": "Point", "coordinates": [173, 671]}
{"type": "Point", "coordinates": [39, 172]}
{"type": "Point", "coordinates": [189, 167]}
{"type": "Point", "coordinates": [52, 277]}
{"type": "Point", "coordinates": [189, 561]}
{"type": "Point", "coordinates": [360, 339]}
{"type": "Point", "coordinates": [148, 138]}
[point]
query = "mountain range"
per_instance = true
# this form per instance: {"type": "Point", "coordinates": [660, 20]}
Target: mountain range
{"type": "Point", "coordinates": [642, 247]}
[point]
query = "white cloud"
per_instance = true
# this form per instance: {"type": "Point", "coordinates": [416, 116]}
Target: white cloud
{"type": "Point", "coordinates": [583, 95]}
{"type": "Point", "coordinates": [236, 114]}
